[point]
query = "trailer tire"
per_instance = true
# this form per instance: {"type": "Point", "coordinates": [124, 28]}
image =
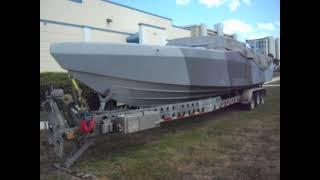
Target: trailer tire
{"type": "Point", "coordinates": [262, 99]}
{"type": "Point", "coordinates": [252, 104]}
{"type": "Point", "coordinates": [258, 98]}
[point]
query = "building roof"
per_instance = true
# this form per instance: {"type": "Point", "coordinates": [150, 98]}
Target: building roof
{"type": "Point", "coordinates": [209, 30]}
{"type": "Point", "coordinates": [181, 27]}
{"type": "Point", "coordinates": [259, 38]}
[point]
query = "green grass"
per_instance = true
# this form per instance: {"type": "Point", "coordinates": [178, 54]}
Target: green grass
{"type": "Point", "coordinates": [275, 82]}
{"type": "Point", "coordinates": [227, 144]}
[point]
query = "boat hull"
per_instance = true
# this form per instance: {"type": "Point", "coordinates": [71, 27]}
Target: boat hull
{"type": "Point", "coordinates": [152, 75]}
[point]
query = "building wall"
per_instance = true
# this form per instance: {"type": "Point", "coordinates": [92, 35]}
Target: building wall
{"type": "Point", "coordinates": [152, 35]}
{"type": "Point", "coordinates": [259, 45]}
{"type": "Point", "coordinates": [101, 36]}
{"type": "Point", "coordinates": [67, 20]}
{"type": "Point", "coordinates": [50, 33]}
{"type": "Point", "coordinates": [264, 45]}
{"type": "Point", "coordinates": [271, 46]}
{"type": "Point", "coordinates": [96, 12]}
{"type": "Point", "coordinates": [197, 30]}
{"type": "Point", "coordinates": [176, 32]}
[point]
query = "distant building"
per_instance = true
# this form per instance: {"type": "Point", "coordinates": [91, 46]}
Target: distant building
{"type": "Point", "coordinates": [278, 48]}
{"type": "Point", "coordinates": [202, 30]}
{"type": "Point", "coordinates": [264, 45]}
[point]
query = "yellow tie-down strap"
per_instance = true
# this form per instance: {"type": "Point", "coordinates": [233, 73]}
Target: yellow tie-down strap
{"type": "Point", "coordinates": [83, 103]}
{"type": "Point", "coordinates": [75, 84]}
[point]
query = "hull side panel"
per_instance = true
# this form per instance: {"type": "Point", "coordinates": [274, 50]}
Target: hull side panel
{"type": "Point", "coordinates": [148, 94]}
{"type": "Point", "coordinates": [207, 68]}
{"type": "Point", "coordinates": [150, 75]}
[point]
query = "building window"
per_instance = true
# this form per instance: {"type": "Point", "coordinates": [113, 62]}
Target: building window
{"type": "Point", "coordinates": [78, 1]}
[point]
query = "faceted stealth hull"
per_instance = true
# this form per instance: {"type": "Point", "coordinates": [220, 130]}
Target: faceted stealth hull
{"type": "Point", "coordinates": [143, 75]}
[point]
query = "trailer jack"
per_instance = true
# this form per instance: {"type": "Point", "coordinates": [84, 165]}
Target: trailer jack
{"type": "Point", "coordinates": [62, 130]}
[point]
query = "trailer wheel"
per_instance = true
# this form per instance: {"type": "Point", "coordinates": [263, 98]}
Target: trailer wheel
{"type": "Point", "coordinates": [250, 106]}
{"type": "Point", "coordinates": [262, 99]}
{"type": "Point", "coordinates": [258, 98]}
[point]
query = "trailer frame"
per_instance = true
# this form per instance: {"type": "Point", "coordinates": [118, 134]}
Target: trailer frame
{"type": "Point", "coordinates": [124, 120]}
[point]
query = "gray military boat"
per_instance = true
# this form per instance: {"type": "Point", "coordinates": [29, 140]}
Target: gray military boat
{"type": "Point", "coordinates": [147, 75]}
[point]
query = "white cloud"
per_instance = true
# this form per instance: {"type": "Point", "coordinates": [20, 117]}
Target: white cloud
{"type": "Point", "coordinates": [212, 3]}
{"type": "Point", "coordinates": [266, 26]}
{"type": "Point", "coordinates": [247, 2]}
{"type": "Point", "coordinates": [244, 30]}
{"type": "Point", "coordinates": [278, 23]}
{"type": "Point", "coordinates": [234, 4]}
{"type": "Point", "coordinates": [182, 2]}
{"type": "Point", "coordinates": [236, 26]}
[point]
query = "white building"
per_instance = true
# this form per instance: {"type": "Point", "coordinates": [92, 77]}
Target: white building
{"type": "Point", "coordinates": [202, 30]}
{"type": "Point", "coordinates": [264, 45]}
{"type": "Point", "coordinates": [278, 48]}
{"type": "Point", "coordinates": [99, 20]}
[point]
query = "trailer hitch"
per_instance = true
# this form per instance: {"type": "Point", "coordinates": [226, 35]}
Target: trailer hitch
{"type": "Point", "coordinates": [62, 130]}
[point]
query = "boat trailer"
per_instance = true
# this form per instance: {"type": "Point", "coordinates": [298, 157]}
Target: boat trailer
{"type": "Point", "coordinates": [69, 119]}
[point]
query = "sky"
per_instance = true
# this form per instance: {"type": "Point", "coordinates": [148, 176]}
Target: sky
{"type": "Point", "coordinates": [249, 19]}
